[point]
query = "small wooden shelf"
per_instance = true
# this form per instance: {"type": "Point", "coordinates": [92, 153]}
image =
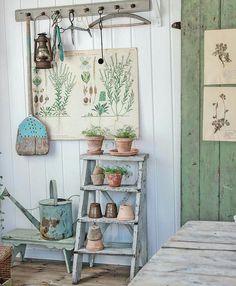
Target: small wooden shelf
{"type": "Point", "coordinates": [107, 188]}
{"type": "Point", "coordinates": [108, 157]}
{"type": "Point", "coordinates": [106, 220]}
{"type": "Point", "coordinates": [122, 249]}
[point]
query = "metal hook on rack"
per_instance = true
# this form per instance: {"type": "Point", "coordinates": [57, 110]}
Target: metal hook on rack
{"type": "Point", "coordinates": [100, 12]}
{"type": "Point", "coordinates": [72, 27]}
{"type": "Point", "coordinates": [56, 18]}
{"type": "Point", "coordinates": [118, 14]}
{"type": "Point", "coordinates": [71, 16]}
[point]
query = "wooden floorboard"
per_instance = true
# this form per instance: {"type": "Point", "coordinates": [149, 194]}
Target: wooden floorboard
{"type": "Point", "coordinates": [38, 273]}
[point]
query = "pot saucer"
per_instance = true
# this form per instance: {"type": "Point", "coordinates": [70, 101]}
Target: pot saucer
{"type": "Point", "coordinates": [95, 152]}
{"type": "Point", "coordinates": [132, 152]}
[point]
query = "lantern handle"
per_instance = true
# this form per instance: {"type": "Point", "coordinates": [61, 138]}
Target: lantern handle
{"type": "Point", "coordinates": [37, 18]}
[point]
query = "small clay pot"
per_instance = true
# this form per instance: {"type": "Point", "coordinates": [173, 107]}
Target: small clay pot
{"type": "Point", "coordinates": [123, 144]}
{"type": "Point", "coordinates": [111, 210]}
{"type": "Point", "coordinates": [114, 180]}
{"type": "Point", "coordinates": [94, 232]}
{"type": "Point", "coordinates": [98, 170]}
{"type": "Point", "coordinates": [94, 245]}
{"type": "Point", "coordinates": [126, 212]}
{"type": "Point", "coordinates": [95, 144]}
{"type": "Point", "coordinates": [98, 179]}
{"type": "Point", "coordinates": [95, 210]}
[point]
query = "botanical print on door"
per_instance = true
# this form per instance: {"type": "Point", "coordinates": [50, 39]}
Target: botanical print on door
{"type": "Point", "coordinates": [219, 113]}
{"type": "Point", "coordinates": [220, 56]}
{"type": "Point", "coordinates": [79, 92]}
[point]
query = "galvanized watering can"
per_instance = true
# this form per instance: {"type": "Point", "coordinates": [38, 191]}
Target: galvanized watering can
{"type": "Point", "coordinates": [55, 215]}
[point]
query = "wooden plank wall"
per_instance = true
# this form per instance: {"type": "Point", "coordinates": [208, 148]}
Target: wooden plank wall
{"type": "Point", "coordinates": [208, 180]}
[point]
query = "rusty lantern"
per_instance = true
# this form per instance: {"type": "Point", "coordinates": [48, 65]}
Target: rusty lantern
{"type": "Point", "coordinates": [42, 52]}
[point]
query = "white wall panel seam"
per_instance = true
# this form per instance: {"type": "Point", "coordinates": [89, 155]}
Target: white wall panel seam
{"type": "Point", "coordinates": [26, 94]}
{"type": "Point", "coordinates": [175, 53]}
{"type": "Point", "coordinates": [171, 87]}
{"type": "Point", "coordinates": [154, 141]}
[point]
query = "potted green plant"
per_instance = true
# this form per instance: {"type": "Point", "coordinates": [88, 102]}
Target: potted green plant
{"type": "Point", "coordinates": [95, 137]}
{"type": "Point", "coordinates": [124, 138]}
{"type": "Point", "coordinates": [114, 175]}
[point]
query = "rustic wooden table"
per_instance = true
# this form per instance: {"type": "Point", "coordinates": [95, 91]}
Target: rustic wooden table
{"type": "Point", "coordinates": [201, 253]}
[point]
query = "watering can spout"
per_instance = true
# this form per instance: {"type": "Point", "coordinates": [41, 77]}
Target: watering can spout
{"type": "Point", "coordinates": [32, 219]}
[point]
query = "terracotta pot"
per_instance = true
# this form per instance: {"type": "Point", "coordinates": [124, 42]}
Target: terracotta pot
{"type": "Point", "coordinates": [98, 179]}
{"type": "Point", "coordinates": [94, 232]}
{"type": "Point", "coordinates": [123, 144]}
{"type": "Point", "coordinates": [114, 180]}
{"type": "Point", "coordinates": [111, 210]}
{"type": "Point", "coordinates": [98, 170]}
{"type": "Point", "coordinates": [95, 210]}
{"type": "Point", "coordinates": [126, 212]}
{"type": "Point", "coordinates": [95, 144]}
{"type": "Point", "coordinates": [94, 245]}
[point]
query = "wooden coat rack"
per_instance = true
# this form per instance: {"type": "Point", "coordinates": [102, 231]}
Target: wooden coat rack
{"type": "Point", "coordinates": [83, 10]}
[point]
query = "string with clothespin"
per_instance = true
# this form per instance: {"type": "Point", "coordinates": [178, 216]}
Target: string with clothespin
{"type": "Point", "coordinates": [100, 12]}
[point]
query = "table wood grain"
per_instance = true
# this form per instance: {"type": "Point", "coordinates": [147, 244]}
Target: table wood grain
{"type": "Point", "coordinates": [200, 253]}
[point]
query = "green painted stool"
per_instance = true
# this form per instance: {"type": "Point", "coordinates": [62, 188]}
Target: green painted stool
{"type": "Point", "coordinates": [19, 238]}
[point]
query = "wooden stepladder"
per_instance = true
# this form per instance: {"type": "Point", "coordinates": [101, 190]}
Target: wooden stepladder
{"type": "Point", "coordinates": [137, 249]}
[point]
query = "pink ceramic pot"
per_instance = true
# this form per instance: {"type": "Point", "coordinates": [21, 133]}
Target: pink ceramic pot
{"type": "Point", "coordinates": [126, 212]}
{"type": "Point", "coordinates": [95, 144]}
{"type": "Point", "coordinates": [95, 245]}
{"type": "Point", "coordinates": [114, 180]}
{"type": "Point", "coordinates": [123, 144]}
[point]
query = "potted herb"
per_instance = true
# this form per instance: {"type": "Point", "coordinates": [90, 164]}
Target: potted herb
{"type": "Point", "coordinates": [124, 138]}
{"type": "Point", "coordinates": [98, 176]}
{"type": "Point", "coordinates": [95, 137]}
{"type": "Point", "coordinates": [114, 175]}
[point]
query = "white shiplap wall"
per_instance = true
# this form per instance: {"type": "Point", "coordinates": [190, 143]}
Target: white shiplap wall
{"type": "Point", "coordinates": [159, 81]}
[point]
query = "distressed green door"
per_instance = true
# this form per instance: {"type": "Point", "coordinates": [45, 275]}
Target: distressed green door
{"type": "Point", "coordinates": [208, 182]}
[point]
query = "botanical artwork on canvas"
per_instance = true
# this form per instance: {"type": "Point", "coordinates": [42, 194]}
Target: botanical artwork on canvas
{"type": "Point", "coordinates": [219, 113]}
{"type": "Point", "coordinates": [79, 92]}
{"type": "Point", "coordinates": [220, 56]}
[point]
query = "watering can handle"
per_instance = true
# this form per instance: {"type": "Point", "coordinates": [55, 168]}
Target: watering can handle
{"type": "Point", "coordinates": [53, 191]}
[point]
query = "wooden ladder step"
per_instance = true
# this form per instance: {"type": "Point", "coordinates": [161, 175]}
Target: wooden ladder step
{"type": "Point", "coordinates": [106, 220]}
{"type": "Point", "coordinates": [106, 188]}
{"type": "Point", "coordinates": [108, 157]}
{"type": "Point", "coordinates": [121, 249]}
